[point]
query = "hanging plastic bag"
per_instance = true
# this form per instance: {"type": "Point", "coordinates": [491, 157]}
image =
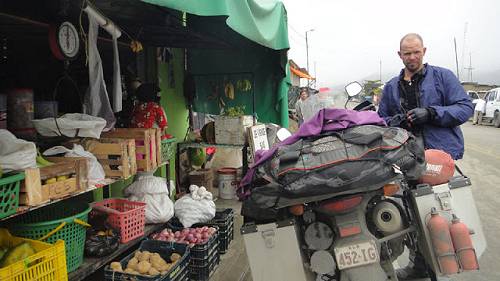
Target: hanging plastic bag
{"type": "Point", "coordinates": [154, 192]}
{"type": "Point", "coordinates": [16, 154]}
{"type": "Point", "coordinates": [96, 172]}
{"type": "Point", "coordinates": [196, 207]}
{"type": "Point", "coordinates": [71, 125]}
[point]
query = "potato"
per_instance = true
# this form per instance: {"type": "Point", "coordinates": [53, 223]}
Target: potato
{"type": "Point", "coordinates": [153, 271]}
{"type": "Point", "coordinates": [144, 256]}
{"type": "Point", "coordinates": [130, 271]}
{"type": "Point", "coordinates": [157, 259]}
{"type": "Point", "coordinates": [175, 257]}
{"type": "Point", "coordinates": [132, 263]}
{"type": "Point", "coordinates": [143, 267]}
{"type": "Point", "coordinates": [137, 253]}
{"type": "Point", "coordinates": [116, 266]}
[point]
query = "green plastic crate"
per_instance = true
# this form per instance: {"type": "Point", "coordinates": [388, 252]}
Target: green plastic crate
{"type": "Point", "coordinates": [9, 194]}
{"type": "Point", "coordinates": [168, 147]}
{"type": "Point", "coordinates": [38, 223]}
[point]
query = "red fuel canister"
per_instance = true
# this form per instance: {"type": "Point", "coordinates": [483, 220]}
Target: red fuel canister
{"type": "Point", "coordinates": [442, 243]}
{"type": "Point", "coordinates": [463, 245]}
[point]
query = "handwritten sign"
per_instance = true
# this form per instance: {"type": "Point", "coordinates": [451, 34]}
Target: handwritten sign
{"type": "Point", "coordinates": [258, 138]}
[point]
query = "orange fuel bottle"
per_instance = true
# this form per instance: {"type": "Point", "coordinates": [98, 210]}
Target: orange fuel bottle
{"type": "Point", "coordinates": [463, 245]}
{"type": "Point", "coordinates": [439, 230]}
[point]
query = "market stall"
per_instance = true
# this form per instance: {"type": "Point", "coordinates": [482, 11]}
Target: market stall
{"type": "Point", "coordinates": [86, 172]}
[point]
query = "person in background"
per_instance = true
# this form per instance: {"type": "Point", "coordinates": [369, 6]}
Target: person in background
{"type": "Point", "coordinates": [304, 94]}
{"type": "Point", "coordinates": [430, 102]}
{"type": "Point", "coordinates": [148, 113]}
{"type": "Point", "coordinates": [479, 111]}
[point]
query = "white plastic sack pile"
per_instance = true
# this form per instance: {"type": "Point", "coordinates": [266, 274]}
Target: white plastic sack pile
{"type": "Point", "coordinates": [70, 124]}
{"type": "Point", "coordinates": [154, 192]}
{"type": "Point", "coordinates": [196, 207]}
{"type": "Point", "coordinates": [96, 172]}
{"type": "Point", "coordinates": [16, 154]}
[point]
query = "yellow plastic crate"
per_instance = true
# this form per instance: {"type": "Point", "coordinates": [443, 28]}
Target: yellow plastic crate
{"type": "Point", "coordinates": [49, 262]}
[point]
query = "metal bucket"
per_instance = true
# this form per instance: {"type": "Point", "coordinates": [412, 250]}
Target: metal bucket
{"type": "Point", "coordinates": [21, 112]}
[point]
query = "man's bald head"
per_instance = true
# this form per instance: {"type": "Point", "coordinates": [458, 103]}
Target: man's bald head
{"type": "Point", "coordinates": [411, 37]}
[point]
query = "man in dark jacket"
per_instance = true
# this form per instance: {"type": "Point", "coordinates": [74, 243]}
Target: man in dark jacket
{"type": "Point", "coordinates": [430, 102]}
{"type": "Point", "coordinates": [427, 100]}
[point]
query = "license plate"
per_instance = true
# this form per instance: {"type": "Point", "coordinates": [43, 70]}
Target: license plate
{"type": "Point", "coordinates": [356, 255]}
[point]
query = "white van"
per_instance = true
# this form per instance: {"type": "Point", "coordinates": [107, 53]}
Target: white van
{"type": "Point", "coordinates": [492, 112]}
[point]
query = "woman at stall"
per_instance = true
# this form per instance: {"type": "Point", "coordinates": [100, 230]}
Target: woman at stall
{"type": "Point", "coordinates": [148, 113]}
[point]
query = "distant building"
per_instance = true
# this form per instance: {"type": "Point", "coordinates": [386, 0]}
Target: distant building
{"type": "Point", "coordinates": [296, 73]}
{"type": "Point", "coordinates": [474, 86]}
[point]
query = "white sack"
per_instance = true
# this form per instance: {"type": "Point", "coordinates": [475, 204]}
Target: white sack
{"type": "Point", "coordinates": [71, 125]}
{"type": "Point", "coordinates": [96, 172]}
{"type": "Point", "coordinates": [196, 207]}
{"type": "Point", "coordinates": [154, 192]}
{"type": "Point", "coordinates": [16, 154]}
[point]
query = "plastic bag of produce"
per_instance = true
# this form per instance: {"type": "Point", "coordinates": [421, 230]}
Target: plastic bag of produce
{"type": "Point", "coordinates": [195, 207]}
{"type": "Point", "coordinates": [16, 154]}
{"type": "Point", "coordinates": [154, 192]}
{"type": "Point", "coordinates": [96, 172]}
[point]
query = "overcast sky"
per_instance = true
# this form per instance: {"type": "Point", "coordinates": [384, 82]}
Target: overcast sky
{"type": "Point", "coordinates": [351, 37]}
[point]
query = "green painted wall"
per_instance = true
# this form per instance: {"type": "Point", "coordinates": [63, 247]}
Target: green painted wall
{"type": "Point", "coordinates": [172, 98]}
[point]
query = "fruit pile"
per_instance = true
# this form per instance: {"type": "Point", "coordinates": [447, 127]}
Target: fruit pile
{"type": "Point", "coordinates": [147, 263]}
{"type": "Point", "coordinates": [15, 254]}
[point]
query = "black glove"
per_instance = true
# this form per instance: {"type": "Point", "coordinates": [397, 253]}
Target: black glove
{"type": "Point", "coordinates": [398, 120]}
{"type": "Point", "coordinates": [418, 116]}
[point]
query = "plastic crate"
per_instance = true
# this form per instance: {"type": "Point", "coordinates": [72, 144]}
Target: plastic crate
{"type": "Point", "coordinates": [128, 216]}
{"type": "Point", "coordinates": [183, 275]}
{"type": "Point", "coordinates": [201, 250]}
{"type": "Point", "coordinates": [9, 194]}
{"type": "Point", "coordinates": [47, 264]}
{"type": "Point", "coordinates": [203, 261]}
{"type": "Point", "coordinates": [168, 149]}
{"type": "Point", "coordinates": [165, 249]}
{"type": "Point", "coordinates": [204, 273]}
{"type": "Point", "coordinates": [66, 221]}
{"type": "Point", "coordinates": [224, 219]}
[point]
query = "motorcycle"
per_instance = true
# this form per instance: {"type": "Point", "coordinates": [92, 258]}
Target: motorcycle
{"type": "Point", "coordinates": [358, 235]}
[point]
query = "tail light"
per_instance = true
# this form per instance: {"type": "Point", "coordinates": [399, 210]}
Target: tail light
{"type": "Point", "coordinates": [390, 189]}
{"type": "Point", "coordinates": [349, 230]}
{"type": "Point", "coordinates": [342, 205]}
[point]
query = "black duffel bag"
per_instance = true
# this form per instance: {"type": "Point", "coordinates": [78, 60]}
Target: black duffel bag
{"type": "Point", "coordinates": [340, 161]}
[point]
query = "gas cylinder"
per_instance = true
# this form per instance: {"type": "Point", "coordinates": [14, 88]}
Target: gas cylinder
{"type": "Point", "coordinates": [439, 231]}
{"type": "Point", "coordinates": [463, 245]}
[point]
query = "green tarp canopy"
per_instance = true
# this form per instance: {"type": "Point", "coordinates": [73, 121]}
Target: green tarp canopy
{"type": "Point", "coordinates": [257, 31]}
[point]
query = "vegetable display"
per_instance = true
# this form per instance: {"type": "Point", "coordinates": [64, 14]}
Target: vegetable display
{"type": "Point", "coordinates": [147, 263]}
{"type": "Point", "coordinates": [191, 236]}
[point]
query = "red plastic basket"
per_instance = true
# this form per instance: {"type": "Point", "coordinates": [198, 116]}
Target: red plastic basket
{"type": "Point", "coordinates": [128, 216]}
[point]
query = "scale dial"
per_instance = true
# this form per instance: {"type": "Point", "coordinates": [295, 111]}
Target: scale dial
{"type": "Point", "coordinates": [64, 41]}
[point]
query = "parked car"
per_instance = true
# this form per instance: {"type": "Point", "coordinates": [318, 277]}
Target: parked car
{"type": "Point", "coordinates": [492, 112]}
{"type": "Point", "coordinates": [474, 96]}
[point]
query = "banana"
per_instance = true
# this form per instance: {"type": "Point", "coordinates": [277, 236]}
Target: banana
{"type": "Point", "coordinates": [42, 162]}
{"type": "Point", "coordinates": [136, 46]}
{"type": "Point", "coordinates": [229, 90]}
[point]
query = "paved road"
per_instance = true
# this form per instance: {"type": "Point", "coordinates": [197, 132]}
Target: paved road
{"type": "Point", "coordinates": [482, 164]}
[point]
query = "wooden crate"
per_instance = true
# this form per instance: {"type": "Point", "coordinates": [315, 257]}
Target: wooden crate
{"type": "Point", "coordinates": [35, 191]}
{"type": "Point", "coordinates": [232, 130]}
{"type": "Point", "coordinates": [147, 143]}
{"type": "Point", "coordinates": [117, 156]}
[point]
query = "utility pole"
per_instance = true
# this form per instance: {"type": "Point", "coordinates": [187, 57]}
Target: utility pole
{"type": "Point", "coordinates": [380, 72]}
{"type": "Point", "coordinates": [456, 58]}
{"type": "Point", "coordinates": [470, 68]}
{"type": "Point", "coordinates": [307, 54]}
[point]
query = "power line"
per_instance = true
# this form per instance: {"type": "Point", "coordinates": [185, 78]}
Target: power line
{"type": "Point", "coordinates": [295, 30]}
